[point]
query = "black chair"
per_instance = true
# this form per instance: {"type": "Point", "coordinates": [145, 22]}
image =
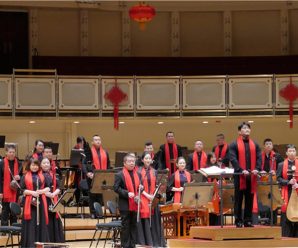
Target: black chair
{"type": "Point", "coordinates": [113, 209]}
{"type": "Point", "coordinates": [16, 211]}
{"type": "Point", "coordinates": [109, 227]}
{"type": "Point", "coordinates": [84, 198]}
{"type": "Point", "coordinates": [14, 229]}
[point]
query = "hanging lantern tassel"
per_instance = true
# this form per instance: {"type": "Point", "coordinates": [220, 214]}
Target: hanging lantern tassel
{"type": "Point", "coordinates": [116, 96]}
{"type": "Point", "coordinates": [290, 93]}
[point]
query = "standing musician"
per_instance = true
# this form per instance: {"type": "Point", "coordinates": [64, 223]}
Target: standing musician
{"type": "Point", "coordinates": [245, 155]}
{"type": "Point", "coordinates": [221, 150]}
{"type": "Point", "coordinates": [35, 213]}
{"type": "Point", "coordinates": [198, 158]}
{"type": "Point", "coordinates": [10, 170]}
{"type": "Point", "coordinates": [99, 161]}
{"type": "Point", "coordinates": [155, 157]}
{"type": "Point", "coordinates": [55, 225]}
{"type": "Point", "coordinates": [83, 145]}
{"type": "Point", "coordinates": [288, 182]}
{"type": "Point", "coordinates": [149, 227]}
{"type": "Point", "coordinates": [270, 160]}
{"type": "Point", "coordinates": [126, 186]}
{"type": "Point", "coordinates": [38, 150]}
{"type": "Point", "coordinates": [169, 152]}
{"type": "Point", "coordinates": [177, 181]}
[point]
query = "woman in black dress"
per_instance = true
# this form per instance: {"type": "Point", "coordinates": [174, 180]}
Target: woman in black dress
{"type": "Point", "coordinates": [55, 225]}
{"type": "Point", "coordinates": [35, 185]}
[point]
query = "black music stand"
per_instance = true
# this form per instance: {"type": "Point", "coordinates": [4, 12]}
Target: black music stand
{"type": "Point", "coordinates": [103, 183]}
{"type": "Point", "coordinates": [60, 204]}
{"type": "Point", "coordinates": [196, 195]}
{"type": "Point", "coordinates": [2, 141]}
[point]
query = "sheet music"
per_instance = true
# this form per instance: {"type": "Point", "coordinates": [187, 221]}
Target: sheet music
{"type": "Point", "coordinates": [216, 171]}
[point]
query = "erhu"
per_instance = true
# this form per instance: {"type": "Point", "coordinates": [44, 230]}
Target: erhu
{"type": "Point", "coordinates": [37, 202]}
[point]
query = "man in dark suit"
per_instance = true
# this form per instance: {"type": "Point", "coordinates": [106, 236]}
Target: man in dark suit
{"type": "Point", "coordinates": [169, 152]}
{"type": "Point", "coordinates": [126, 186]}
{"type": "Point", "coordinates": [245, 155]}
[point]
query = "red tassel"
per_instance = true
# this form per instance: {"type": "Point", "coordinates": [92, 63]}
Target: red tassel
{"type": "Point", "coordinates": [116, 117]}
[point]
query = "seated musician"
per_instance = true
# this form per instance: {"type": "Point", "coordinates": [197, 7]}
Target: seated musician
{"type": "Point", "coordinates": [288, 182]}
{"type": "Point", "coordinates": [177, 180]}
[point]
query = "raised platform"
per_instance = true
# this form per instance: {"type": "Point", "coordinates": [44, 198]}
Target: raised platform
{"type": "Point", "coordinates": [282, 243]}
{"type": "Point", "coordinates": [216, 233]}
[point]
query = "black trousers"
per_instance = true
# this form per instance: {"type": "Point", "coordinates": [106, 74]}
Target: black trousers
{"type": "Point", "coordinates": [7, 215]}
{"type": "Point", "coordinates": [248, 196]}
{"type": "Point", "coordinates": [128, 233]}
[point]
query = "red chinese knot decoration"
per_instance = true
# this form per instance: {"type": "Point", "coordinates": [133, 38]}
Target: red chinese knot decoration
{"type": "Point", "coordinates": [290, 93]}
{"type": "Point", "coordinates": [115, 95]}
{"type": "Point", "coordinates": [142, 13]}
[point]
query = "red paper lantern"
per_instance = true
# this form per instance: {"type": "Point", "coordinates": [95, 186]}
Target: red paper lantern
{"type": "Point", "coordinates": [142, 13]}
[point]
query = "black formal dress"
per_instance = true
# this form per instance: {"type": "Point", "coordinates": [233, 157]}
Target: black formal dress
{"type": "Point", "coordinates": [31, 232]}
{"type": "Point", "coordinates": [55, 227]}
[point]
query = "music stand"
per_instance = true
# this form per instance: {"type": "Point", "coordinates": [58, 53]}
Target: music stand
{"type": "Point", "coordinates": [103, 183]}
{"type": "Point", "coordinates": [196, 195]}
{"type": "Point", "coordinates": [76, 156]}
{"type": "Point", "coordinates": [60, 204]}
{"type": "Point", "coordinates": [119, 158]}
{"type": "Point", "coordinates": [198, 177]}
{"type": "Point", "coordinates": [162, 177]}
{"type": "Point", "coordinates": [2, 141]}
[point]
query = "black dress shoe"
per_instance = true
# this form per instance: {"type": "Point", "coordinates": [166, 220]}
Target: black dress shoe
{"type": "Point", "coordinates": [248, 224]}
{"type": "Point", "coordinates": [239, 224]}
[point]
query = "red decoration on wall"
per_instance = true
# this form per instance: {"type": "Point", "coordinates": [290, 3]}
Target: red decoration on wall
{"type": "Point", "coordinates": [116, 96]}
{"type": "Point", "coordinates": [142, 13]}
{"type": "Point", "coordinates": [290, 93]}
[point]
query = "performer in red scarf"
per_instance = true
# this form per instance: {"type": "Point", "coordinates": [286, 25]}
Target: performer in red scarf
{"type": "Point", "coordinates": [169, 152]}
{"type": "Point", "coordinates": [55, 225]}
{"type": "Point", "coordinates": [34, 185]}
{"type": "Point", "coordinates": [288, 182]}
{"type": "Point", "coordinates": [198, 158]}
{"type": "Point", "coordinates": [100, 161]}
{"type": "Point", "coordinates": [9, 166]}
{"type": "Point", "coordinates": [126, 186]}
{"type": "Point", "coordinates": [38, 150]}
{"type": "Point", "coordinates": [155, 157]}
{"type": "Point", "coordinates": [270, 161]}
{"type": "Point", "coordinates": [221, 150]}
{"type": "Point", "coordinates": [177, 181]}
{"type": "Point", "coordinates": [149, 235]}
{"type": "Point", "coordinates": [246, 158]}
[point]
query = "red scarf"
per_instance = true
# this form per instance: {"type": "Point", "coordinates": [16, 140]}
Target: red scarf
{"type": "Point", "coordinates": [129, 185]}
{"type": "Point", "coordinates": [284, 189]}
{"type": "Point", "coordinates": [29, 186]}
{"type": "Point", "coordinates": [242, 163]}
{"type": "Point", "coordinates": [145, 210]}
{"type": "Point", "coordinates": [102, 164]}
{"type": "Point", "coordinates": [9, 195]}
{"type": "Point", "coordinates": [177, 194]}
{"type": "Point", "coordinates": [272, 156]}
{"type": "Point", "coordinates": [195, 160]}
{"type": "Point", "coordinates": [168, 158]}
{"type": "Point", "coordinates": [223, 151]}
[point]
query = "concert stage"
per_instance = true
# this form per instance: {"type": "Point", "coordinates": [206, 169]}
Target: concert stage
{"type": "Point", "coordinates": [230, 236]}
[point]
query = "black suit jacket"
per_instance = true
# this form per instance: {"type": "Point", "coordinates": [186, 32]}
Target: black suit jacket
{"type": "Point", "coordinates": [162, 155]}
{"type": "Point", "coordinates": [121, 190]}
